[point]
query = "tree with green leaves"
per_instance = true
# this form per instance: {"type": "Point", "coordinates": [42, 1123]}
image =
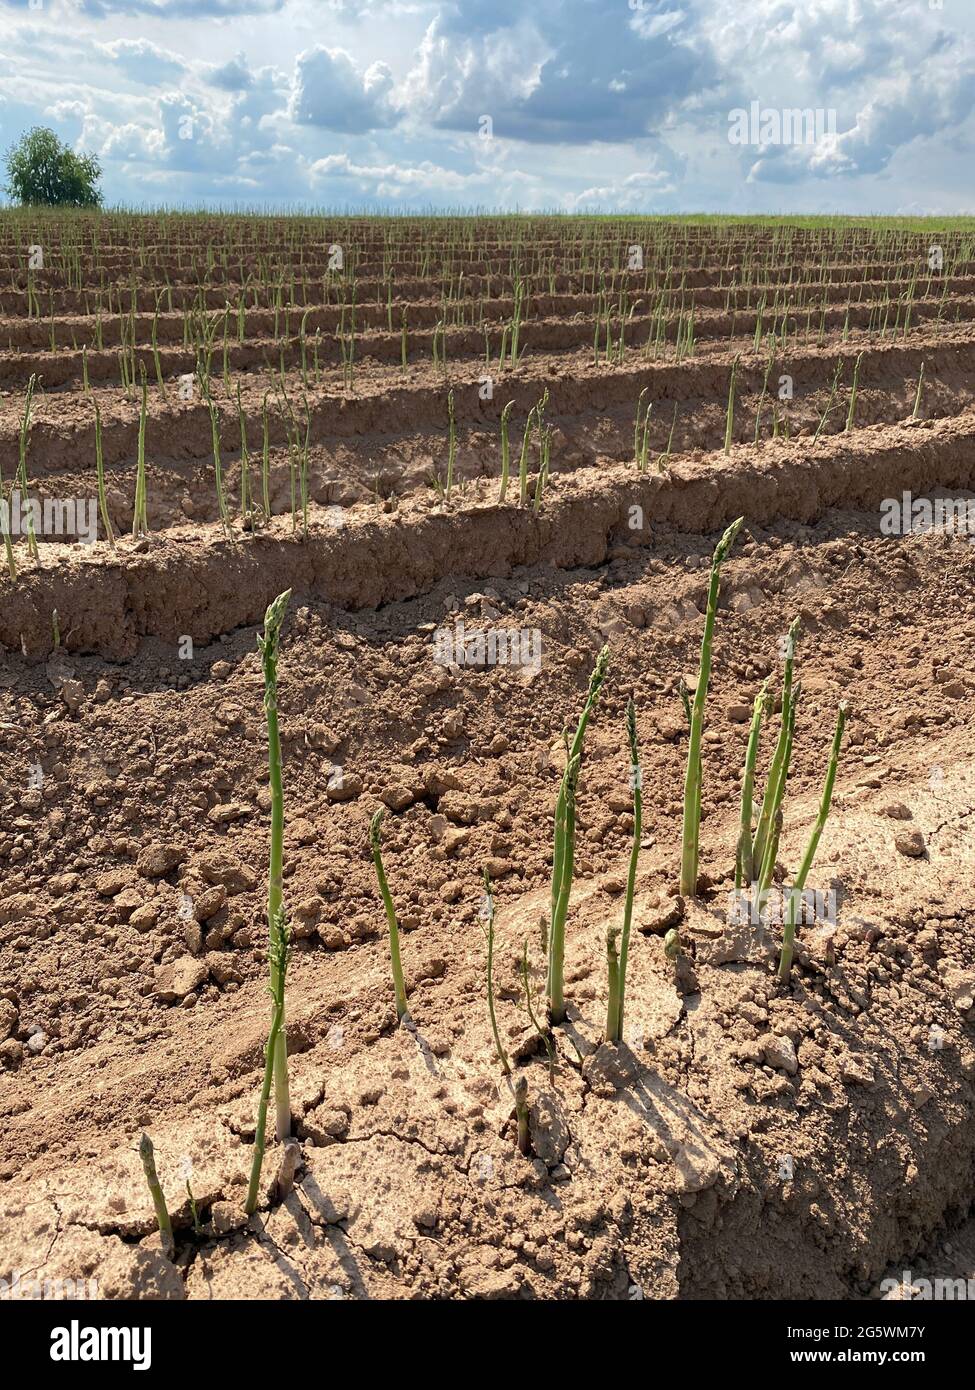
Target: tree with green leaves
{"type": "Point", "coordinates": [43, 171]}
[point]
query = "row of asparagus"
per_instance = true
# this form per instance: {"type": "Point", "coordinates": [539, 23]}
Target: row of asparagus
{"type": "Point", "coordinates": [755, 864]}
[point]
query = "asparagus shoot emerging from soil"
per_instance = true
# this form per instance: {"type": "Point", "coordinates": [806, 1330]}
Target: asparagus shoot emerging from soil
{"type": "Point", "coordinates": [775, 786]}
{"type": "Point", "coordinates": [729, 427]}
{"type": "Point", "coordinates": [489, 917]}
{"type": "Point", "coordinates": [789, 931]}
{"type": "Point", "coordinates": [617, 997]}
{"type": "Point", "coordinates": [564, 846]}
{"type": "Point", "coordinates": [767, 868]}
{"type": "Point", "coordinates": [375, 826]}
{"type": "Point", "coordinates": [194, 1210]}
{"type": "Point", "coordinates": [218, 466]}
{"type": "Point", "coordinates": [517, 1084]}
{"type": "Point", "coordinates": [23, 446]}
{"type": "Point", "coordinates": [521, 1112]}
{"type": "Point", "coordinates": [7, 545]}
{"type": "Point", "coordinates": [832, 397]}
{"type": "Point", "coordinates": [851, 413]}
{"type": "Point", "coordinates": [613, 981]}
{"type": "Point", "coordinates": [140, 519]}
{"type": "Point", "coordinates": [155, 1191]}
{"type": "Point", "coordinates": [523, 458]}
{"type": "Point", "coordinates": [917, 397]}
{"type": "Point", "coordinates": [451, 445]}
{"type": "Point", "coordinates": [505, 450]}
{"type": "Point", "coordinates": [690, 852]}
{"type": "Point", "coordinates": [100, 473]}
{"type": "Point", "coordinates": [685, 699]}
{"type": "Point", "coordinates": [744, 869]}
{"type": "Point", "coordinates": [278, 960]}
{"type": "Point", "coordinates": [562, 869]}
{"type": "Point", "coordinates": [265, 458]}
{"type": "Point", "coordinates": [269, 646]}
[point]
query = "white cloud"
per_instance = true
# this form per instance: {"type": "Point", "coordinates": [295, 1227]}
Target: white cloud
{"type": "Point", "coordinates": [144, 62]}
{"type": "Point", "coordinates": [593, 104]}
{"type": "Point", "coordinates": [394, 180]}
{"type": "Point", "coordinates": [635, 193]}
{"type": "Point", "coordinates": [330, 91]}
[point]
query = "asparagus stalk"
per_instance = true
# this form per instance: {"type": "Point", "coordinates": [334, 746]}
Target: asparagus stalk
{"type": "Point", "coordinates": [617, 966]}
{"type": "Point", "coordinates": [729, 428]}
{"type": "Point", "coordinates": [278, 957]}
{"type": "Point", "coordinates": [853, 394]}
{"type": "Point", "coordinates": [5, 504]}
{"type": "Point", "coordinates": [917, 397]}
{"type": "Point", "coordinates": [690, 851]}
{"type": "Point", "coordinates": [489, 905]}
{"type": "Point", "coordinates": [523, 459]}
{"type": "Point", "coordinates": [772, 797]}
{"type": "Point", "coordinates": [565, 827]}
{"type": "Point", "coordinates": [744, 867]}
{"type": "Point", "coordinates": [789, 931]}
{"type": "Point", "coordinates": [277, 930]}
{"type": "Point", "coordinates": [23, 445]}
{"type": "Point", "coordinates": [829, 403]}
{"type": "Point", "coordinates": [218, 466]}
{"type": "Point", "coordinates": [505, 450]}
{"type": "Point", "coordinates": [140, 519]}
{"type": "Point", "coordinates": [265, 458]}
{"type": "Point", "coordinates": [775, 823]}
{"type": "Point", "coordinates": [402, 1009]}
{"type": "Point", "coordinates": [155, 1191]}
{"type": "Point", "coordinates": [521, 1112]}
{"type": "Point", "coordinates": [452, 443]}
{"type": "Point", "coordinates": [564, 844]}
{"type": "Point", "coordinates": [517, 1084]}
{"type": "Point", "coordinates": [613, 979]}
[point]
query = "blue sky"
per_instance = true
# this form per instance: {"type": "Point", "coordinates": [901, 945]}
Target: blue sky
{"type": "Point", "coordinates": [593, 104]}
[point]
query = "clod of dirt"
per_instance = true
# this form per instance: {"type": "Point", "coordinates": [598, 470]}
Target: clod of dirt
{"type": "Point", "coordinates": [910, 842]}
{"type": "Point", "coordinates": [179, 978]}
{"type": "Point", "coordinates": [155, 861]}
{"type": "Point", "coordinates": [778, 1051]}
{"type": "Point", "coordinates": [548, 1128]}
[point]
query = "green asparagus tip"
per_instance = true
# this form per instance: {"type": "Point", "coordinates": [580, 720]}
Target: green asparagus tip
{"type": "Point", "coordinates": [274, 616]}
{"type": "Point", "coordinates": [599, 672]}
{"type": "Point", "coordinates": [727, 540]}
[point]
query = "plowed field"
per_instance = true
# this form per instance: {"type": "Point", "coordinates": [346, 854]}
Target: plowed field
{"type": "Point", "coordinates": [320, 407]}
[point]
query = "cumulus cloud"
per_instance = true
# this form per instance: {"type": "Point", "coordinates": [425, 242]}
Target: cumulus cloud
{"type": "Point", "coordinates": [330, 91]}
{"type": "Point", "coordinates": [593, 104]}
{"type": "Point", "coordinates": [931, 102]}
{"type": "Point", "coordinates": [393, 180]}
{"type": "Point", "coordinates": [636, 193]}
{"type": "Point", "coordinates": [232, 76]}
{"type": "Point", "coordinates": [567, 70]}
{"type": "Point", "coordinates": [143, 61]}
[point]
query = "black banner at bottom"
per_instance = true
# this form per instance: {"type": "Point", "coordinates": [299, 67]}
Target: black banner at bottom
{"type": "Point", "coordinates": [71, 1340]}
